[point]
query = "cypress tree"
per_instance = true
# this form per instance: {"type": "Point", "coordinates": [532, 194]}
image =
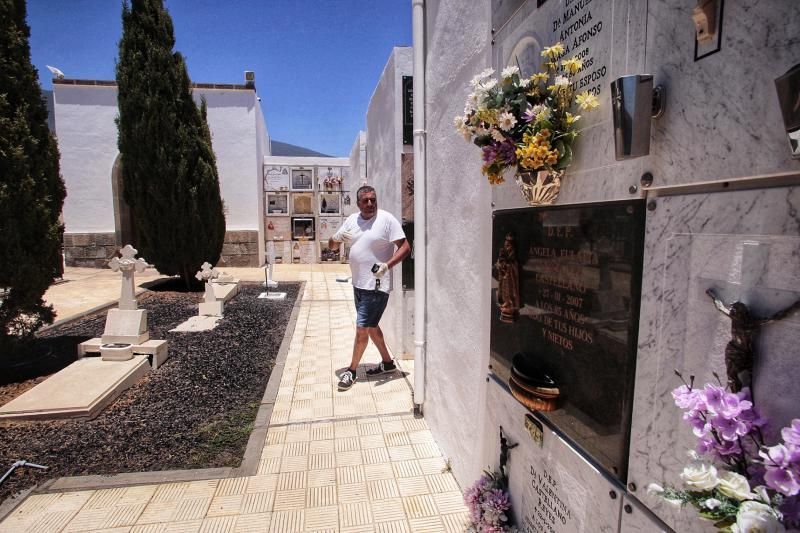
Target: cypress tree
{"type": "Point", "coordinates": [31, 189]}
{"type": "Point", "coordinates": [168, 165]}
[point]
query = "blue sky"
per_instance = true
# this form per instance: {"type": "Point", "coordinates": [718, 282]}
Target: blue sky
{"type": "Point", "coordinates": [316, 62]}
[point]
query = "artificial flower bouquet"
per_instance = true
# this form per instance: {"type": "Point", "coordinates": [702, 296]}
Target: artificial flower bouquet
{"type": "Point", "coordinates": [331, 181]}
{"type": "Point", "coordinates": [525, 124]}
{"type": "Point", "coordinates": [489, 504]}
{"type": "Point", "coordinates": [733, 478]}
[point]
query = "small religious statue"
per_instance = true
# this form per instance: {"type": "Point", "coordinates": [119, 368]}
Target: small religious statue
{"type": "Point", "coordinates": [740, 351]}
{"type": "Point", "coordinates": [508, 280]}
{"type": "Point", "coordinates": [504, 449]}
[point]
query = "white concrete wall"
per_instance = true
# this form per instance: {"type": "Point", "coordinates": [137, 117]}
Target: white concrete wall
{"type": "Point", "coordinates": [87, 142]}
{"type": "Point", "coordinates": [263, 149]}
{"type": "Point", "coordinates": [358, 171]}
{"type": "Point", "coordinates": [234, 137]}
{"type": "Point", "coordinates": [721, 122]}
{"type": "Point", "coordinates": [458, 208]}
{"type": "Point", "coordinates": [384, 146]}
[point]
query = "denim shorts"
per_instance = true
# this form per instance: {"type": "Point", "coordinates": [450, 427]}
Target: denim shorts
{"type": "Point", "coordinates": [369, 306]}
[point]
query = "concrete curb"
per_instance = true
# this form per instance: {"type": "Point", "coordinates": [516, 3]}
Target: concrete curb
{"type": "Point", "coordinates": [250, 460]}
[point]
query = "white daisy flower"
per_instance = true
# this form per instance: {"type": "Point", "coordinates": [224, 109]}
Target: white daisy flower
{"type": "Point", "coordinates": [497, 136]}
{"type": "Point", "coordinates": [488, 84]}
{"type": "Point", "coordinates": [525, 83]}
{"type": "Point", "coordinates": [509, 71]}
{"type": "Point", "coordinates": [506, 121]}
{"type": "Point", "coordinates": [561, 80]}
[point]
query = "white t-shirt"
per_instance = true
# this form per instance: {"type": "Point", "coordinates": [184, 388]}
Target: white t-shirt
{"type": "Point", "coordinates": [373, 242]}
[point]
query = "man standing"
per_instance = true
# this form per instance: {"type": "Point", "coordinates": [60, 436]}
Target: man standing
{"type": "Point", "coordinates": [377, 244]}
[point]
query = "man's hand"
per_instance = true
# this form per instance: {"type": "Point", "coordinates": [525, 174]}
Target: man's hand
{"type": "Point", "coordinates": [382, 269]}
{"type": "Point", "coordinates": [343, 235]}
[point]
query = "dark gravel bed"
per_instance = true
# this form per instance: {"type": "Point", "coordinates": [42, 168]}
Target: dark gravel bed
{"type": "Point", "coordinates": [196, 411]}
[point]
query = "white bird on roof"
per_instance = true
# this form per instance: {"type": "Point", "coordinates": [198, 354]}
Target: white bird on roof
{"type": "Point", "coordinates": [56, 73]}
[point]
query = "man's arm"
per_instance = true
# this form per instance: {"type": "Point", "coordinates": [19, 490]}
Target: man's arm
{"type": "Point", "coordinates": [403, 249]}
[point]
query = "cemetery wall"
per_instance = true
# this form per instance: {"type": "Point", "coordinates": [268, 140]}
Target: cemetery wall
{"type": "Point", "coordinates": [384, 150]}
{"type": "Point", "coordinates": [87, 140]}
{"type": "Point", "coordinates": [721, 122]}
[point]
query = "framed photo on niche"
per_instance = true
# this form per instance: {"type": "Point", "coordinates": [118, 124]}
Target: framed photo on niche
{"type": "Point", "coordinates": [277, 203]}
{"type": "Point", "coordinates": [302, 179]}
{"type": "Point", "coordinates": [303, 229]}
{"type": "Point", "coordinates": [302, 204]}
{"type": "Point", "coordinates": [329, 203]}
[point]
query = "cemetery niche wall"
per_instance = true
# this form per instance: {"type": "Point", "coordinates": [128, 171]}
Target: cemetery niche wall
{"type": "Point", "coordinates": [565, 310]}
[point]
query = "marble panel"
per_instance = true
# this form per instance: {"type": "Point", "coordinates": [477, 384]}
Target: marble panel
{"type": "Point", "coordinates": [552, 486]}
{"type": "Point", "coordinates": [745, 245]}
{"type": "Point", "coordinates": [722, 118]}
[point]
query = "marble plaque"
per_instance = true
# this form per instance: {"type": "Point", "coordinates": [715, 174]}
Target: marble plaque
{"type": "Point", "coordinates": [302, 204]}
{"type": "Point", "coordinates": [327, 227]}
{"type": "Point", "coordinates": [329, 203]}
{"type": "Point", "coordinates": [279, 228]}
{"type": "Point", "coordinates": [553, 488]}
{"type": "Point", "coordinates": [745, 245]}
{"type": "Point", "coordinates": [565, 307]}
{"type": "Point", "coordinates": [276, 178]}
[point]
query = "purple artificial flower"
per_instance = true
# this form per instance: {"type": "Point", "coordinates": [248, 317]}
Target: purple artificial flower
{"type": "Point", "coordinates": [714, 397]}
{"type": "Point", "coordinates": [791, 434]}
{"type": "Point", "coordinates": [529, 115]}
{"type": "Point", "coordinates": [507, 152]}
{"type": "Point", "coordinates": [490, 153]}
{"type": "Point", "coordinates": [729, 428]}
{"type": "Point", "coordinates": [700, 427]}
{"type": "Point", "coordinates": [732, 406]}
{"type": "Point", "coordinates": [783, 480]}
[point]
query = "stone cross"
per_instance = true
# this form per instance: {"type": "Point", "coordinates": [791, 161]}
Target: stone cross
{"type": "Point", "coordinates": [128, 264]}
{"type": "Point", "coordinates": [207, 273]}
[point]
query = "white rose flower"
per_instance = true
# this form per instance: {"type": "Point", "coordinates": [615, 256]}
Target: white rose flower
{"type": "Point", "coordinates": [755, 517]}
{"type": "Point", "coordinates": [735, 486]}
{"type": "Point", "coordinates": [712, 503]}
{"type": "Point", "coordinates": [700, 476]}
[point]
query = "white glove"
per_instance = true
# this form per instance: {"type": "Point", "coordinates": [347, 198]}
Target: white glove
{"type": "Point", "coordinates": [383, 268]}
{"type": "Point", "coordinates": [343, 235]}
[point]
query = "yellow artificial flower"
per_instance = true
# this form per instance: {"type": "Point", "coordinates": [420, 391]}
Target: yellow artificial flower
{"type": "Point", "coordinates": [539, 77]}
{"type": "Point", "coordinates": [488, 116]}
{"type": "Point", "coordinates": [572, 119]}
{"type": "Point", "coordinates": [553, 51]}
{"type": "Point", "coordinates": [572, 65]}
{"type": "Point", "coordinates": [587, 100]}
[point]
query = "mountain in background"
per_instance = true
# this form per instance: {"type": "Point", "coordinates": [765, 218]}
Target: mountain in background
{"type": "Point", "coordinates": [286, 149]}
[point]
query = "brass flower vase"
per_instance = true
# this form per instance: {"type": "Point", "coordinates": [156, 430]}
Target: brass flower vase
{"type": "Point", "coordinates": [539, 188]}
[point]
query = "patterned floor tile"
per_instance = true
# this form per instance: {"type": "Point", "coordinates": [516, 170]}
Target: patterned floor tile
{"type": "Point", "coordinates": [352, 492]}
{"type": "Point", "coordinates": [321, 518]}
{"type": "Point", "coordinates": [321, 496]}
{"type": "Point", "coordinates": [320, 478]}
{"type": "Point", "coordinates": [412, 486]}
{"type": "Point", "coordinates": [354, 514]}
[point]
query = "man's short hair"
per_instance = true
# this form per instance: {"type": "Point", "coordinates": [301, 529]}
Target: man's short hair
{"type": "Point", "coordinates": [362, 190]}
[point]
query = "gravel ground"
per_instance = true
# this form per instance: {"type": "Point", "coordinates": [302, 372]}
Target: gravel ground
{"type": "Point", "coordinates": [196, 411]}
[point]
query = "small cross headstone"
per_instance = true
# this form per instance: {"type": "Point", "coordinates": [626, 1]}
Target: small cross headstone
{"type": "Point", "coordinates": [207, 273]}
{"type": "Point", "coordinates": [128, 264]}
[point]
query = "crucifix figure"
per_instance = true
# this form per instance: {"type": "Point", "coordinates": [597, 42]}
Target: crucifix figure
{"type": "Point", "coordinates": [740, 351]}
{"type": "Point", "coordinates": [504, 449]}
{"type": "Point", "coordinates": [128, 264]}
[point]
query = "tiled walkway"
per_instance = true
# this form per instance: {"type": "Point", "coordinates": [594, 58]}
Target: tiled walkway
{"type": "Point", "coordinates": [355, 461]}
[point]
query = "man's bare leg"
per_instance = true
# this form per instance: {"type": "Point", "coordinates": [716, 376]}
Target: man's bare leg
{"type": "Point", "coordinates": [377, 339]}
{"type": "Point", "coordinates": [359, 345]}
